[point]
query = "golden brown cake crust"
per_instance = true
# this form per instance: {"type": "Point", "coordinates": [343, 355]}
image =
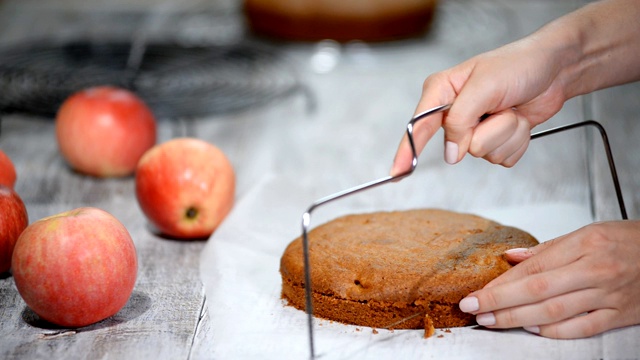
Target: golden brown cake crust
{"type": "Point", "coordinates": [376, 269]}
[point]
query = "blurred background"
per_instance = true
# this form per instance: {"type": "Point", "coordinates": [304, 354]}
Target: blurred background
{"type": "Point", "coordinates": [197, 58]}
{"type": "Point", "coordinates": [316, 85]}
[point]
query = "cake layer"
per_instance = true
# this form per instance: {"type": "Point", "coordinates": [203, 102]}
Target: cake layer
{"type": "Point", "coordinates": [375, 269]}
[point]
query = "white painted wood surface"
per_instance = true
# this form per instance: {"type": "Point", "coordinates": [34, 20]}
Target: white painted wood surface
{"type": "Point", "coordinates": [361, 108]}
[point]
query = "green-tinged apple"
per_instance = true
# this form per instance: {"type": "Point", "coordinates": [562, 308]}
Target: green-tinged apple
{"type": "Point", "coordinates": [7, 171]}
{"type": "Point", "coordinates": [75, 268]}
{"type": "Point", "coordinates": [13, 220]}
{"type": "Point", "coordinates": [103, 131]}
{"type": "Point", "coordinates": [185, 187]}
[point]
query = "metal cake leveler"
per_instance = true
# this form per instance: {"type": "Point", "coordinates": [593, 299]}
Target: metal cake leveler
{"type": "Point", "coordinates": [306, 217]}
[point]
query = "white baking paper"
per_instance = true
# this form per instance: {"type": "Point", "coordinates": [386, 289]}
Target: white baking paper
{"type": "Point", "coordinates": [239, 268]}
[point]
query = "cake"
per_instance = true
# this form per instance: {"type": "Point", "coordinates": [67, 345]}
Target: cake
{"type": "Point", "coordinates": [398, 270]}
{"type": "Point", "coordinates": [366, 20]}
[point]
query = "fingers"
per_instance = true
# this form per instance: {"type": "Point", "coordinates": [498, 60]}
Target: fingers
{"type": "Point", "coordinates": [437, 90]}
{"type": "Point", "coordinates": [575, 286]}
{"type": "Point", "coordinates": [459, 125]}
{"type": "Point", "coordinates": [578, 327]}
{"type": "Point", "coordinates": [402, 161]}
{"type": "Point", "coordinates": [527, 290]}
{"type": "Point", "coordinates": [531, 265]}
{"type": "Point", "coordinates": [423, 131]}
{"type": "Point", "coordinates": [518, 255]}
{"type": "Point", "coordinates": [545, 312]}
{"type": "Point", "coordinates": [576, 315]}
{"type": "Point", "coordinates": [502, 138]}
{"type": "Point", "coordinates": [478, 95]}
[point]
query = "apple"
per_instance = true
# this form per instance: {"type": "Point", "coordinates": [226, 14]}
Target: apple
{"type": "Point", "coordinates": [185, 187]}
{"type": "Point", "coordinates": [7, 171]}
{"type": "Point", "coordinates": [13, 220]}
{"type": "Point", "coordinates": [103, 131]}
{"type": "Point", "coordinates": [75, 268]}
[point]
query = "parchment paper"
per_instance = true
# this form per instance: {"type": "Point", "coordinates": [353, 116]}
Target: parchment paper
{"type": "Point", "coordinates": [239, 267]}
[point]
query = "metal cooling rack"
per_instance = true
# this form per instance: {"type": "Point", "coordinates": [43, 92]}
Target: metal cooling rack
{"type": "Point", "coordinates": [174, 80]}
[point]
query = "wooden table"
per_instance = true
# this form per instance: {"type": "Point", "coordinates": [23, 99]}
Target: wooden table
{"type": "Point", "coordinates": [349, 136]}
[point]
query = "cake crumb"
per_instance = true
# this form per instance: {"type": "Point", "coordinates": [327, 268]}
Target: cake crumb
{"type": "Point", "coordinates": [429, 330]}
{"type": "Point", "coordinates": [447, 331]}
{"type": "Point", "coordinates": [440, 336]}
{"type": "Point", "coordinates": [375, 331]}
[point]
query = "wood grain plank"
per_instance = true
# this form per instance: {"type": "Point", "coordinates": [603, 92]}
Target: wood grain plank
{"type": "Point", "coordinates": [160, 319]}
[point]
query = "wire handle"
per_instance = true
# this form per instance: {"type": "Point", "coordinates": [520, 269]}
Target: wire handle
{"type": "Point", "coordinates": [607, 149]}
{"type": "Point", "coordinates": [306, 217]}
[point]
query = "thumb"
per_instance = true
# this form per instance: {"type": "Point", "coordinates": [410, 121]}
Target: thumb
{"type": "Point", "coordinates": [459, 124]}
{"type": "Point", "coordinates": [479, 93]}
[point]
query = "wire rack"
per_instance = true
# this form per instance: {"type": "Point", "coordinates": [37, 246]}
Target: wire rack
{"type": "Point", "coordinates": [176, 81]}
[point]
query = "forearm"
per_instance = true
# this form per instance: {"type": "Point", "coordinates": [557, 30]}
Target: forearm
{"type": "Point", "coordinates": [600, 45]}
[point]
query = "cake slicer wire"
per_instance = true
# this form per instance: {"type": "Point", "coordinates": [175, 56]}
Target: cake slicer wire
{"type": "Point", "coordinates": [306, 217]}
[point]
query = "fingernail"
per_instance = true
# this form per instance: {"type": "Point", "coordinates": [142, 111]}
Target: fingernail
{"type": "Point", "coordinates": [532, 329]}
{"type": "Point", "coordinates": [517, 251]}
{"type": "Point", "coordinates": [450, 152]}
{"type": "Point", "coordinates": [518, 255]}
{"type": "Point", "coordinates": [486, 319]}
{"type": "Point", "coordinates": [469, 304]}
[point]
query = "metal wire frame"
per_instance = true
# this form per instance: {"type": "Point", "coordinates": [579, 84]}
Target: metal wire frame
{"type": "Point", "coordinates": [306, 217]}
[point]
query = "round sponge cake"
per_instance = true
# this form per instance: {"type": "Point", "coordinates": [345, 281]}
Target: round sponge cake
{"type": "Point", "coordinates": [366, 20]}
{"type": "Point", "coordinates": [400, 269]}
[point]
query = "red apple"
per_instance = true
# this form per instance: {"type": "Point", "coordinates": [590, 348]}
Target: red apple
{"type": "Point", "coordinates": [103, 131]}
{"type": "Point", "coordinates": [185, 187]}
{"type": "Point", "coordinates": [13, 220]}
{"type": "Point", "coordinates": [7, 171]}
{"type": "Point", "coordinates": [75, 268]}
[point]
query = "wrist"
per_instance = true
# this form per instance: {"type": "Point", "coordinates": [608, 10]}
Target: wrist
{"type": "Point", "coordinates": [596, 46]}
{"type": "Point", "coordinates": [564, 42]}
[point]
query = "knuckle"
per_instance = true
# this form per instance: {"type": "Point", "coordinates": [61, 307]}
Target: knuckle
{"type": "Point", "coordinates": [596, 240]}
{"type": "Point", "coordinates": [582, 328]}
{"type": "Point", "coordinates": [454, 125]}
{"type": "Point", "coordinates": [589, 328]}
{"type": "Point", "coordinates": [533, 267]}
{"type": "Point", "coordinates": [551, 332]}
{"type": "Point", "coordinates": [509, 163]}
{"type": "Point", "coordinates": [555, 310]}
{"type": "Point", "coordinates": [537, 286]}
{"type": "Point", "coordinates": [494, 157]}
{"type": "Point", "coordinates": [609, 271]}
{"type": "Point", "coordinates": [511, 160]}
{"type": "Point", "coordinates": [434, 78]}
{"type": "Point", "coordinates": [614, 299]}
{"type": "Point", "coordinates": [477, 148]}
{"type": "Point", "coordinates": [490, 300]}
{"type": "Point", "coordinates": [508, 319]}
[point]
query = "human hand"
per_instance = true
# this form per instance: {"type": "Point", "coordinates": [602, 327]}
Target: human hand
{"type": "Point", "coordinates": [575, 286]}
{"type": "Point", "coordinates": [519, 85]}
